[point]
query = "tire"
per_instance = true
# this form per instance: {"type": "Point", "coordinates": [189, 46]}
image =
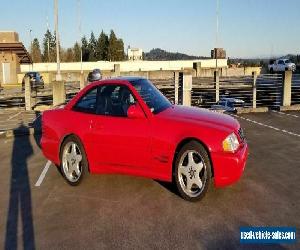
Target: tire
{"type": "Point", "coordinates": [192, 169]}
{"type": "Point", "coordinates": [271, 71]}
{"type": "Point", "coordinates": [73, 160]}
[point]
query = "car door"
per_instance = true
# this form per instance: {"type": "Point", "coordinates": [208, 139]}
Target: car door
{"type": "Point", "coordinates": [281, 65]}
{"type": "Point", "coordinates": [120, 144]}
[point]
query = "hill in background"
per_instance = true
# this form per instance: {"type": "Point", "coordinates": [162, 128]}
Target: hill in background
{"type": "Point", "coordinates": [162, 55]}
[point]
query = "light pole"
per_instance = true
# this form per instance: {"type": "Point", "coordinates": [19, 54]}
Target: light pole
{"type": "Point", "coordinates": [31, 49]}
{"type": "Point", "coordinates": [58, 75]}
{"type": "Point", "coordinates": [217, 33]}
{"type": "Point", "coordinates": [81, 81]}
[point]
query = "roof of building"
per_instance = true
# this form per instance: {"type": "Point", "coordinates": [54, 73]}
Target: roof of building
{"type": "Point", "coordinates": [19, 49]}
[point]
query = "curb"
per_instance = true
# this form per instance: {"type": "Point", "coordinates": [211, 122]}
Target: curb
{"type": "Point", "coordinates": [15, 132]}
{"type": "Point", "coordinates": [252, 110]}
{"type": "Point", "coordinates": [290, 108]}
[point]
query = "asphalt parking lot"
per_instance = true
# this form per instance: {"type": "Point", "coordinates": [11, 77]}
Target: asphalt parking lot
{"type": "Point", "coordinates": [114, 211]}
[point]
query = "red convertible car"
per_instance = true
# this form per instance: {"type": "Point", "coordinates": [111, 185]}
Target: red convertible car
{"type": "Point", "coordinates": [126, 126]}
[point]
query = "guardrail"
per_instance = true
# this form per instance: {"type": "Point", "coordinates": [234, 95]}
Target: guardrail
{"type": "Point", "coordinates": [266, 90]}
{"type": "Point", "coordinates": [166, 86]}
{"type": "Point", "coordinates": [295, 89]}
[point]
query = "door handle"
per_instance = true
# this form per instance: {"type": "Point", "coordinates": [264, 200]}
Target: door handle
{"type": "Point", "coordinates": [95, 125]}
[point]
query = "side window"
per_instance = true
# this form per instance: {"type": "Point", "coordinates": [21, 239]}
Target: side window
{"type": "Point", "coordinates": [87, 103]}
{"type": "Point", "coordinates": [280, 62]}
{"type": "Point", "coordinates": [114, 100]}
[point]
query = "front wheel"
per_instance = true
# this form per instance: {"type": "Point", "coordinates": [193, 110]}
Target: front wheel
{"type": "Point", "coordinates": [192, 171]}
{"type": "Point", "coordinates": [73, 160]}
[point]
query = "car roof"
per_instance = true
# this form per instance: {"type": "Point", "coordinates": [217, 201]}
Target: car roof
{"type": "Point", "coordinates": [231, 99]}
{"type": "Point", "coordinates": [129, 78]}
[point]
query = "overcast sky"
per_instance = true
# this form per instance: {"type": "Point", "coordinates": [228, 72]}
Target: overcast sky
{"type": "Point", "coordinates": [248, 28]}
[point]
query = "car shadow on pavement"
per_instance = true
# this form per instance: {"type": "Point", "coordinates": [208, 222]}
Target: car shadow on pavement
{"type": "Point", "coordinates": [20, 195]}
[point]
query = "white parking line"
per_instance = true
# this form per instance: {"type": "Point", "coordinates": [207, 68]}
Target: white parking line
{"type": "Point", "coordinates": [43, 174]}
{"type": "Point", "coordinates": [13, 116]}
{"type": "Point", "coordinates": [267, 126]}
{"type": "Point", "coordinates": [33, 121]}
{"type": "Point", "coordinates": [282, 113]}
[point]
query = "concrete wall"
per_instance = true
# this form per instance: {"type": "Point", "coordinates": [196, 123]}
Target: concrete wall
{"type": "Point", "coordinates": [8, 37]}
{"type": "Point", "coordinates": [125, 66]}
{"type": "Point", "coordinates": [247, 71]}
{"type": "Point", "coordinates": [12, 59]}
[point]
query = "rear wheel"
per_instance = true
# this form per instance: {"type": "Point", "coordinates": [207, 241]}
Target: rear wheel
{"type": "Point", "coordinates": [192, 171]}
{"type": "Point", "coordinates": [73, 160]}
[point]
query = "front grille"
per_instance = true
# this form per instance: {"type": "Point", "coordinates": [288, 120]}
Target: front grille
{"type": "Point", "coordinates": [241, 134]}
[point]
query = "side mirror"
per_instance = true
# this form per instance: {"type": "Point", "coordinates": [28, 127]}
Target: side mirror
{"type": "Point", "coordinates": [135, 111]}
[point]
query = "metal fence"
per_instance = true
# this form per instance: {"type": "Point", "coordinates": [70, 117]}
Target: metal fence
{"type": "Point", "coordinates": [166, 86]}
{"type": "Point", "coordinates": [269, 90]}
{"type": "Point", "coordinates": [203, 91]}
{"type": "Point", "coordinates": [295, 89]}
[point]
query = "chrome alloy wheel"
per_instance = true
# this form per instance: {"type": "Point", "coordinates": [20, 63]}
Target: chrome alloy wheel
{"type": "Point", "coordinates": [192, 173]}
{"type": "Point", "coordinates": [71, 161]}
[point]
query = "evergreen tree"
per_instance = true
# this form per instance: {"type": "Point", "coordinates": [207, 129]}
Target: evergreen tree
{"type": "Point", "coordinates": [85, 49]}
{"type": "Point", "coordinates": [77, 52]}
{"type": "Point", "coordinates": [113, 46]}
{"type": "Point", "coordinates": [102, 47]}
{"type": "Point", "coordinates": [48, 47]}
{"type": "Point", "coordinates": [67, 55]}
{"type": "Point", "coordinates": [120, 55]}
{"type": "Point", "coordinates": [92, 48]}
{"type": "Point", "coordinates": [35, 49]}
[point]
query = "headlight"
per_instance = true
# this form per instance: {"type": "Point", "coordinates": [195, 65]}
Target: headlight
{"type": "Point", "coordinates": [231, 143]}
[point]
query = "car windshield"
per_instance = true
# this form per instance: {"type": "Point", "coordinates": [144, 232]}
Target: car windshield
{"type": "Point", "coordinates": [154, 99]}
{"type": "Point", "coordinates": [32, 74]}
{"type": "Point", "coordinates": [287, 61]}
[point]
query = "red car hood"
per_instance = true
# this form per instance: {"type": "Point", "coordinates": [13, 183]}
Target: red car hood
{"type": "Point", "coordinates": [191, 114]}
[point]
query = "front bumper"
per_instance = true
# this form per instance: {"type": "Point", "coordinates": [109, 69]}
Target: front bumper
{"type": "Point", "coordinates": [228, 167]}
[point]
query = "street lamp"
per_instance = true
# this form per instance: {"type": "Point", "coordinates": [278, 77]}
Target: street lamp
{"type": "Point", "coordinates": [58, 75]}
{"type": "Point", "coordinates": [31, 49]}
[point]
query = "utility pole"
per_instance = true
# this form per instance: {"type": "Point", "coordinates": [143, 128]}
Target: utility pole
{"type": "Point", "coordinates": [81, 81]}
{"type": "Point", "coordinates": [217, 33]}
{"type": "Point", "coordinates": [48, 42]}
{"type": "Point", "coordinates": [31, 48]}
{"type": "Point", "coordinates": [58, 75]}
{"type": "Point", "coordinates": [80, 33]}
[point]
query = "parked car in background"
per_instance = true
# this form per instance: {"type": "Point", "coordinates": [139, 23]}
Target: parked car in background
{"type": "Point", "coordinates": [127, 126]}
{"type": "Point", "coordinates": [281, 65]}
{"type": "Point", "coordinates": [36, 80]}
{"type": "Point", "coordinates": [228, 104]}
{"type": "Point", "coordinates": [94, 75]}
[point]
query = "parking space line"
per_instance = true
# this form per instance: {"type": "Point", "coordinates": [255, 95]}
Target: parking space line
{"type": "Point", "coordinates": [34, 120]}
{"type": "Point", "coordinates": [267, 126]}
{"type": "Point", "coordinates": [282, 113]}
{"type": "Point", "coordinates": [43, 174]}
{"type": "Point", "coordinates": [13, 116]}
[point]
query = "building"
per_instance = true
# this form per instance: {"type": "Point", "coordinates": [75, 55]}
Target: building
{"type": "Point", "coordinates": [134, 54]}
{"type": "Point", "coordinates": [12, 54]}
{"type": "Point", "coordinates": [218, 53]}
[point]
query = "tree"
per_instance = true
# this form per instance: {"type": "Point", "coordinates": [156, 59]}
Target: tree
{"type": "Point", "coordinates": [49, 45]}
{"type": "Point", "coordinates": [115, 48]}
{"type": "Point", "coordinates": [92, 48]}
{"type": "Point", "coordinates": [77, 52]}
{"type": "Point", "coordinates": [67, 55]}
{"type": "Point", "coordinates": [36, 54]}
{"type": "Point", "coordinates": [102, 47]}
{"type": "Point", "coordinates": [120, 55]}
{"type": "Point", "coordinates": [85, 49]}
{"type": "Point", "coordinates": [112, 47]}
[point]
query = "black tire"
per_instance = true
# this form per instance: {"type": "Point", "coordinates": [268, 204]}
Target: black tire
{"type": "Point", "coordinates": [271, 71]}
{"type": "Point", "coordinates": [205, 174]}
{"type": "Point", "coordinates": [83, 165]}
